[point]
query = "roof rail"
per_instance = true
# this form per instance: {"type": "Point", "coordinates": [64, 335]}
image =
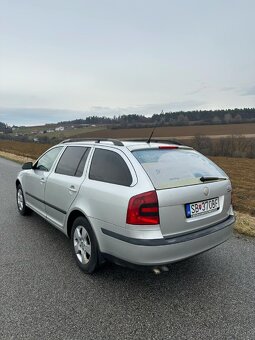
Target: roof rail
{"type": "Point", "coordinates": [163, 141]}
{"type": "Point", "coordinates": [96, 140]}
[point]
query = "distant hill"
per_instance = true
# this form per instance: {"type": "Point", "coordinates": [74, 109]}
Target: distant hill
{"type": "Point", "coordinates": [179, 118]}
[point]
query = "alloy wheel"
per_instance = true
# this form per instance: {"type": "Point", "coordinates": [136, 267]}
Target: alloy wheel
{"type": "Point", "coordinates": [82, 244]}
{"type": "Point", "coordinates": [20, 200]}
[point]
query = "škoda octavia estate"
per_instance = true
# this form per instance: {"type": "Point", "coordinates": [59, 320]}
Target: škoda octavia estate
{"type": "Point", "coordinates": [134, 202]}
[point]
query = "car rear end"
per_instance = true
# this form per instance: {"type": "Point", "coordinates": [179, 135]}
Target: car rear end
{"type": "Point", "coordinates": [186, 211]}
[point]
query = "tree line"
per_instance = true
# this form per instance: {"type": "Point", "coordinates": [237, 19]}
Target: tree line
{"type": "Point", "coordinates": [180, 118]}
{"type": "Point", "coordinates": [170, 118]}
{"type": "Point", "coordinates": [4, 128]}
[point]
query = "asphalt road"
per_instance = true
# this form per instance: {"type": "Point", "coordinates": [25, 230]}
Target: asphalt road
{"type": "Point", "coordinates": [43, 294]}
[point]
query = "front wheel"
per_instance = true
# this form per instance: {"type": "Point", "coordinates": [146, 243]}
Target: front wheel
{"type": "Point", "coordinates": [84, 245]}
{"type": "Point", "coordinates": [21, 204]}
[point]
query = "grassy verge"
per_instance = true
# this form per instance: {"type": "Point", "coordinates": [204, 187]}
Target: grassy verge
{"type": "Point", "coordinates": [245, 224]}
{"type": "Point", "coordinates": [16, 158]}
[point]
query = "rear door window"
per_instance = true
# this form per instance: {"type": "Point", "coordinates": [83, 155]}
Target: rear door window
{"type": "Point", "coordinates": [108, 166]}
{"type": "Point", "coordinates": [72, 161]}
{"type": "Point", "coordinates": [176, 167]}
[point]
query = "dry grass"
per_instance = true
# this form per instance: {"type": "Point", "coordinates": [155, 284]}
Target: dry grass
{"type": "Point", "coordinates": [29, 150]}
{"type": "Point", "coordinates": [245, 224]}
{"type": "Point", "coordinates": [16, 158]}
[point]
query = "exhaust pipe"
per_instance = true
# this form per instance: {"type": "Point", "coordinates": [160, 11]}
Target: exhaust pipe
{"type": "Point", "coordinates": [156, 271]}
{"type": "Point", "coordinates": [160, 269]}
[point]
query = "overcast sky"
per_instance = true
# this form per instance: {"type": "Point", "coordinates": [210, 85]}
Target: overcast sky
{"type": "Point", "coordinates": [62, 59]}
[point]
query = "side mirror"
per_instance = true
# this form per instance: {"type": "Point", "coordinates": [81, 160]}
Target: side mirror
{"type": "Point", "coordinates": [27, 166]}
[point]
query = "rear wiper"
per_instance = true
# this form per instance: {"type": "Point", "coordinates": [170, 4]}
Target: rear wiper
{"type": "Point", "coordinates": [208, 179]}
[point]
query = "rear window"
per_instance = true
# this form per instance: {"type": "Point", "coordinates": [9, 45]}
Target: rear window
{"type": "Point", "coordinates": [176, 168]}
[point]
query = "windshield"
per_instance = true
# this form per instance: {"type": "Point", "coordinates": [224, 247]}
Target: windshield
{"type": "Point", "coordinates": [175, 168]}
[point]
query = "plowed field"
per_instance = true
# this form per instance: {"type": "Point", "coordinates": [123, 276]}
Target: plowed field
{"type": "Point", "coordinates": [177, 131]}
{"type": "Point", "coordinates": [242, 175]}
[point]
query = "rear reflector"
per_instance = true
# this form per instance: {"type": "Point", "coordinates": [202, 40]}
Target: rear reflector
{"type": "Point", "coordinates": [143, 209]}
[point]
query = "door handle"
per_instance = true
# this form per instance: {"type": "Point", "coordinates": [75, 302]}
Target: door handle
{"type": "Point", "coordinates": [42, 180]}
{"type": "Point", "coordinates": [72, 189]}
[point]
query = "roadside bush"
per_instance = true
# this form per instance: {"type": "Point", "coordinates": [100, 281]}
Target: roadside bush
{"type": "Point", "coordinates": [234, 146]}
{"type": "Point", "coordinates": [203, 144]}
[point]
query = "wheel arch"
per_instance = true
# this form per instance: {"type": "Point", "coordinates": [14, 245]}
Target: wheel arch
{"type": "Point", "coordinates": [71, 218]}
{"type": "Point", "coordinates": [17, 183]}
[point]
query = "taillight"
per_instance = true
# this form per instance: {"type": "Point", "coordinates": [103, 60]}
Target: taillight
{"type": "Point", "coordinates": [143, 209]}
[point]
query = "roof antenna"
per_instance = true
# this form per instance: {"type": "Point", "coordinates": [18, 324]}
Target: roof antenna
{"type": "Point", "coordinates": [149, 140]}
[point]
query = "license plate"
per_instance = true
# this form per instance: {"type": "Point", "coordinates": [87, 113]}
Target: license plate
{"type": "Point", "coordinates": [202, 207]}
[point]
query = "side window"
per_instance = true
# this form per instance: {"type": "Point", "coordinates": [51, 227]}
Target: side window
{"type": "Point", "coordinates": [72, 161]}
{"type": "Point", "coordinates": [46, 161]}
{"type": "Point", "coordinates": [108, 166]}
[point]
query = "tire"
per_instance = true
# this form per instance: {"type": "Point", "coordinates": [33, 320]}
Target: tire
{"type": "Point", "coordinates": [21, 203]}
{"type": "Point", "coordinates": [84, 246]}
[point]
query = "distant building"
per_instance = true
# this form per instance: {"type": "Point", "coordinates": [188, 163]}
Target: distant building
{"type": "Point", "coordinates": [59, 128]}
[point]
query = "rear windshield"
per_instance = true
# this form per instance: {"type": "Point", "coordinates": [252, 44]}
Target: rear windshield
{"type": "Point", "coordinates": [177, 167]}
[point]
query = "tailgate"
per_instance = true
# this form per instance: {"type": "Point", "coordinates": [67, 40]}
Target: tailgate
{"type": "Point", "coordinates": [175, 206]}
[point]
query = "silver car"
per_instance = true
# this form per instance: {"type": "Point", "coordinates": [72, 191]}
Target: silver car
{"type": "Point", "coordinates": [132, 202]}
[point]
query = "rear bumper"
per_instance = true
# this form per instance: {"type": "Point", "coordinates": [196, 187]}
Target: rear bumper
{"type": "Point", "coordinates": [166, 250]}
